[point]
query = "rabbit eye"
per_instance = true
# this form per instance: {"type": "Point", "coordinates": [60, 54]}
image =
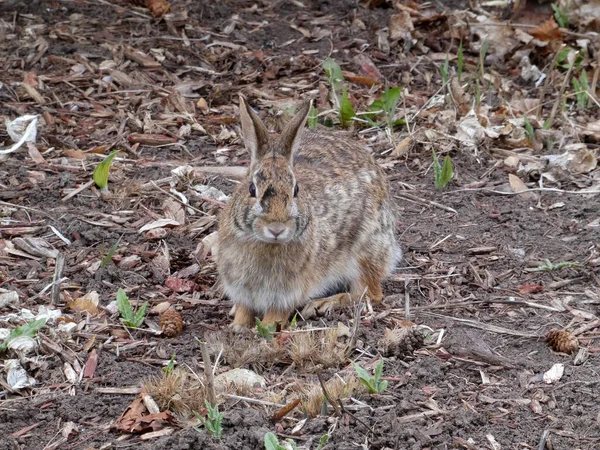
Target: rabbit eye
{"type": "Point", "coordinates": [252, 190]}
{"type": "Point", "coordinates": [295, 190]}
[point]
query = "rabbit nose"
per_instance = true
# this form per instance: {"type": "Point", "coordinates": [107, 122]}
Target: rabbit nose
{"type": "Point", "coordinates": [276, 229]}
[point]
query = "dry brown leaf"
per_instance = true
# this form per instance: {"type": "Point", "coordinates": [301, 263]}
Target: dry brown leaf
{"type": "Point", "coordinates": [91, 364]}
{"type": "Point", "coordinates": [517, 185]}
{"type": "Point", "coordinates": [88, 303]}
{"type": "Point", "coordinates": [151, 139]}
{"type": "Point", "coordinates": [401, 26]}
{"type": "Point", "coordinates": [74, 153]}
{"type": "Point", "coordinates": [547, 31]}
{"type": "Point", "coordinates": [34, 153]}
{"type": "Point", "coordinates": [403, 147]}
{"type": "Point", "coordinates": [359, 79]}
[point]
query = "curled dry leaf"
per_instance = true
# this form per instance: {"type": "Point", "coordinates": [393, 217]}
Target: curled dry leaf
{"type": "Point", "coordinates": [171, 323]}
{"type": "Point", "coordinates": [562, 341]}
{"type": "Point", "coordinates": [401, 26]}
{"type": "Point", "coordinates": [88, 303]}
{"type": "Point", "coordinates": [160, 308]}
{"type": "Point", "coordinates": [547, 31]}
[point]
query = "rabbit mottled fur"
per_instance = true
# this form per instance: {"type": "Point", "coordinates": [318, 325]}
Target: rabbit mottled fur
{"type": "Point", "coordinates": [313, 213]}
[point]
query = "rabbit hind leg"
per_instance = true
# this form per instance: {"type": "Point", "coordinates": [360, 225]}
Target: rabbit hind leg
{"type": "Point", "coordinates": [372, 271]}
{"type": "Point", "coordinates": [243, 319]}
{"type": "Point", "coordinates": [276, 316]}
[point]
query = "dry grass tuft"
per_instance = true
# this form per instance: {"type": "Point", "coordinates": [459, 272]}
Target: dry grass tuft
{"type": "Point", "coordinates": [337, 387]}
{"type": "Point", "coordinates": [239, 350]}
{"type": "Point", "coordinates": [178, 391]}
{"type": "Point", "coordinates": [312, 348]}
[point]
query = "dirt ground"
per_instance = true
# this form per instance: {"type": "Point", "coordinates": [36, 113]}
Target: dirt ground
{"type": "Point", "coordinates": [475, 271]}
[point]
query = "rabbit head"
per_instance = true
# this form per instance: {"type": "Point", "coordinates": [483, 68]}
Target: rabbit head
{"type": "Point", "coordinates": [271, 209]}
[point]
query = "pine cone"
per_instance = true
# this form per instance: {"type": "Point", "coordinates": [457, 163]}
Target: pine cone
{"type": "Point", "coordinates": [171, 323]}
{"type": "Point", "coordinates": [401, 341]}
{"type": "Point", "coordinates": [158, 8]}
{"type": "Point", "coordinates": [562, 341]}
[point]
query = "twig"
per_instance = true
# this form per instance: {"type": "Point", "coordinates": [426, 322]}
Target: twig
{"type": "Point", "coordinates": [357, 312]}
{"type": "Point", "coordinates": [543, 439]}
{"type": "Point", "coordinates": [186, 205]}
{"type": "Point", "coordinates": [487, 327]}
{"type": "Point", "coordinates": [74, 192]}
{"type": "Point", "coordinates": [406, 301]}
{"type": "Point", "coordinates": [427, 202]}
{"type": "Point", "coordinates": [208, 375]}
{"type": "Point", "coordinates": [58, 270]}
{"type": "Point", "coordinates": [339, 406]}
{"type": "Point", "coordinates": [491, 191]}
{"type": "Point", "coordinates": [561, 92]}
{"type": "Point", "coordinates": [285, 411]}
{"type": "Point", "coordinates": [414, 417]}
{"type": "Point", "coordinates": [336, 407]}
{"type": "Point", "coordinates": [253, 400]}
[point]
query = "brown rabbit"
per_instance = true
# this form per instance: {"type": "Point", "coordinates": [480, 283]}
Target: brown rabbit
{"type": "Point", "coordinates": [314, 213]}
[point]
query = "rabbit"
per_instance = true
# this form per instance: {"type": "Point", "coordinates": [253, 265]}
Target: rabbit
{"type": "Point", "coordinates": [313, 213]}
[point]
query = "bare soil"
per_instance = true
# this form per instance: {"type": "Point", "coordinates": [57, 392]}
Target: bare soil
{"type": "Point", "coordinates": [465, 272]}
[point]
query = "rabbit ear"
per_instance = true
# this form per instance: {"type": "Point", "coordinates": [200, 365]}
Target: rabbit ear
{"type": "Point", "coordinates": [254, 132]}
{"type": "Point", "coordinates": [290, 136]}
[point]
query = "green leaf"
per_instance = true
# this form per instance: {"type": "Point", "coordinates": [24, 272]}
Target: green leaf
{"type": "Point", "coordinates": [124, 306]}
{"type": "Point", "coordinates": [382, 386]}
{"type": "Point", "coordinates": [446, 171]}
{"type": "Point", "coordinates": [168, 369]}
{"type": "Point", "coordinates": [391, 97]}
{"type": "Point", "coordinates": [323, 441]}
{"type": "Point", "coordinates": [346, 110]}
{"type": "Point", "coordinates": [362, 373]}
{"type": "Point", "coordinates": [101, 171]}
{"type": "Point", "coordinates": [560, 14]}
{"type": "Point", "coordinates": [265, 331]}
{"type": "Point", "coordinates": [372, 389]}
{"type": "Point", "coordinates": [313, 117]}
{"type": "Point", "coordinates": [444, 71]}
{"type": "Point", "coordinates": [140, 314]}
{"type": "Point", "coordinates": [27, 329]}
{"type": "Point", "coordinates": [442, 175]}
{"type": "Point", "coordinates": [378, 371]}
{"type": "Point", "coordinates": [271, 442]}
{"type": "Point", "coordinates": [110, 253]}
{"type": "Point", "coordinates": [293, 321]}
{"type": "Point", "coordinates": [334, 74]}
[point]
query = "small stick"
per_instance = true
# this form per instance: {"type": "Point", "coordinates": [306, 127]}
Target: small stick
{"type": "Point", "coordinates": [73, 193]}
{"type": "Point", "coordinates": [406, 301]}
{"type": "Point", "coordinates": [336, 407]}
{"type": "Point", "coordinates": [543, 439]}
{"type": "Point", "coordinates": [357, 312]}
{"type": "Point", "coordinates": [284, 411]}
{"type": "Point", "coordinates": [58, 270]}
{"type": "Point", "coordinates": [487, 327]}
{"type": "Point", "coordinates": [561, 92]}
{"type": "Point", "coordinates": [178, 200]}
{"type": "Point", "coordinates": [253, 400]}
{"type": "Point", "coordinates": [208, 375]}
{"type": "Point", "coordinates": [427, 202]}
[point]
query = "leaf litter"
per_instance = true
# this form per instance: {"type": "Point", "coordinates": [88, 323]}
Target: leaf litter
{"type": "Point", "coordinates": [500, 238]}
